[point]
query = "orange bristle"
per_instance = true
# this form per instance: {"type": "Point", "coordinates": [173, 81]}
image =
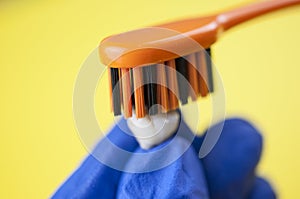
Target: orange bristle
{"type": "Point", "coordinates": [158, 84]}
{"type": "Point", "coordinates": [138, 92]}
{"type": "Point", "coordinates": [126, 87]}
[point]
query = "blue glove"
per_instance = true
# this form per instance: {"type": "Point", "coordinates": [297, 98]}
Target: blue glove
{"type": "Point", "coordinates": [94, 179]}
{"type": "Point", "coordinates": [228, 171]}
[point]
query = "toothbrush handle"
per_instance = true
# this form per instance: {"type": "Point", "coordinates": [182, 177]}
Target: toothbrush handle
{"type": "Point", "coordinates": [237, 16]}
{"type": "Point", "coordinates": [203, 30]}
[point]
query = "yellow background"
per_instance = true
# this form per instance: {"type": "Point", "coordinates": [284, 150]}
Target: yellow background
{"type": "Point", "coordinates": [43, 43]}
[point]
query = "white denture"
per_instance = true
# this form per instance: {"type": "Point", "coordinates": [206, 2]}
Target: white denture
{"type": "Point", "coordinates": [153, 130]}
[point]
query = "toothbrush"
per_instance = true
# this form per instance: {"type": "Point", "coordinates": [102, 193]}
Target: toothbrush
{"type": "Point", "coordinates": [138, 58]}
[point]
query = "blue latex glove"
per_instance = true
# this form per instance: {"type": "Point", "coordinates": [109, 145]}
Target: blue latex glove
{"type": "Point", "coordinates": [228, 171]}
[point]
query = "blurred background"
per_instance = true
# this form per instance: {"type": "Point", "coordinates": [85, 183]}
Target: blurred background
{"type": "Point", "coordinates": [43, 44]}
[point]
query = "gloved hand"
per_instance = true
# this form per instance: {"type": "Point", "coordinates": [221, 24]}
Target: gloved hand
{"type": "Point", "coordinates": [228, 171]}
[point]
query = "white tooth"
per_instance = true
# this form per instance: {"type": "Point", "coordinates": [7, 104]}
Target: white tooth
{"type": "Point", "coordinates": [152, 130]}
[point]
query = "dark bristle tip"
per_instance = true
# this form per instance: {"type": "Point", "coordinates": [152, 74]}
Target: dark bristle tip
{"type": "Point", "coordinates": [132, 89]}
{"type": "Point", "coordinates": [116, 91]}
{"type": "Point", "coordinates": [208, 51]}
{"type": "Point", "coordinates": [181, 68]}
{"type": "Point", "coordinates": [146, 89]}
{"type": "Point", "coordinates": [209, 71]}
{"type": "Point", "coordinates": [150, 88]}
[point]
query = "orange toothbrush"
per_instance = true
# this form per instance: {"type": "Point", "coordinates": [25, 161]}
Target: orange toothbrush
{"type": "Point", "coordinates": [138, 58]}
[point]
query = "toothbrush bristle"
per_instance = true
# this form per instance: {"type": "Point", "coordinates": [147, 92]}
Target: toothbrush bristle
{"type": "Point", "coordinates": [209, 70]}
{"type": "Point", "coordinates": [182, 76]}
{"type": "Point", "coordinates": [166, 84]}
{"type": "Point", "coordinates": [116, 98]}
{"type": "Point", "coordinates": [126, 90]}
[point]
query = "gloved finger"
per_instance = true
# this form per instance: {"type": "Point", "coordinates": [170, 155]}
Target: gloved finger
{"type": "Point", "coordinates": [183, 178]}
{"type": "Point", "coordinates": [262, 189]}
{"type": "Point", "coordinates": [93, 179]}
{"type": "Point", "coordinates": [230, 166]}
